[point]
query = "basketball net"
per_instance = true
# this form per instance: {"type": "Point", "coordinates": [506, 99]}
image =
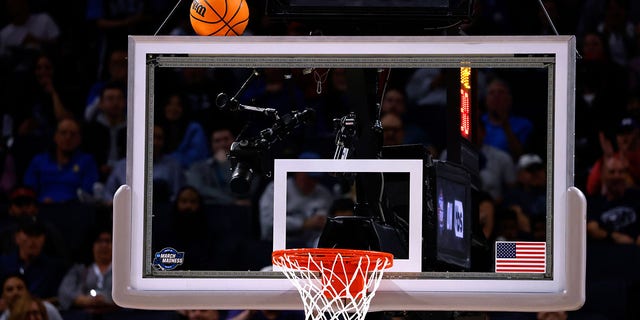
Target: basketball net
{"type": "Point", "coordinates": [334, 283]}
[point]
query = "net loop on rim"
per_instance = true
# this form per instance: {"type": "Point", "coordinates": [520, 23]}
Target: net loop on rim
{"type": "Point", "coordinates": [334, 283]}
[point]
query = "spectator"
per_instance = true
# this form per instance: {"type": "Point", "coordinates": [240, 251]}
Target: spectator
{"type": "Point", "coordinates": [321, 91]}
{"type": "Point", "coordinates": [107, 133]}
{"type": "Point", "coordinates": [39, 104]}
{"type": "Point", "coordinates": [507, 226]}
{"type": "Point", "coordinates": [618, 30]}
{"type": "Point", "coordinates": [392, 129]}
{"type": "Point", "coordinates": [613, 215]}
{"type": "Point", "coordinates": [211, 176]}
{"type": "Point", "coordinates": [273, 89]}
{"type": "Point", "coordinates": [497, 170]}
{"type": "Point", "coordinates": [504, 131]}
{"type": "Point", "coordinates": [23, 207]}
{"type": "Point", "coordinates": [26, 30]}
{"type": "Point", "coordinates": [601, 89]}
{"type": "Point", "coordinates": [426, 88]}
{"type": "Point", "coordinates": [114, 20]}
{"type": "Point", "coordinates": [118, 70]}
{"type": "Point", "coordinates": [185, 139]}
{"type": "Point", "coordinates": [335, 96]}
{"type": "Point", "coordinates": [64, 173]}
{"type": "Point", "coordinates": [47, 104]}
{"type": "Point", "coordinates": [27, 308]}
{"type": "Point", "coordinates": [198, 88]}
{"type": "Point", "coordinates": [394, 101]}
{"type": "Point", "coordinates": [86, 288]}
{"type": "Point", "coordinates": [186, 231]}
{"type": "Point", "coordinates": [168, 177]}
{"type": "Point", "coordinates": [528, 198]}
{"type": "Point", "coordinates": [8, 176]}
{"type": "Point", "coordinates": [307, 205]}
{"type": "Point", "coordinates": [426, 100]}
{"type": "Point", "coordinates": [487, 215]}
{"type": "Point", "coordinates": [42, 272]}
{"type": "Point", "coordinates": [14, 287]}
{"type": "Point", "coordinates": [626, 145]}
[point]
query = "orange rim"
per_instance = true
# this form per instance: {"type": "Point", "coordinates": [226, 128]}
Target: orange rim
{"type": "Point", "coordinates": [328, 256]}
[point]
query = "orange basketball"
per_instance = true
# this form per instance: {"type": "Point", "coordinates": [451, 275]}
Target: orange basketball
{"type": "Point", "coordinates": [219, 17]}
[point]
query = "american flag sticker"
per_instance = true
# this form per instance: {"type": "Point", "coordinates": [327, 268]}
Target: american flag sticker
{"type": "Point", "coordinates": [521, 257]}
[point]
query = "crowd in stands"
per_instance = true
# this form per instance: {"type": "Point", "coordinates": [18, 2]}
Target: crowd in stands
{"type": "Point", "coordinates": [63, 136]}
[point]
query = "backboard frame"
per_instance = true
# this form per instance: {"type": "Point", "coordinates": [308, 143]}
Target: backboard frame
{"type": "Point", "coordinates": [400, 291]}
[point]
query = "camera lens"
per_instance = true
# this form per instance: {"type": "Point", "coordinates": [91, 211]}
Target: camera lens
{"type": "Point", "coordinates": [241, 178]}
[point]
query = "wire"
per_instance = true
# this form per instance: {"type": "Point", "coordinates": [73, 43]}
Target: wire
{"type": "Point", "coordinates": [548, 17]}
{"type": "Point", "coordinates": [384, 91]}
{"type": "Point", "coordinates": [553, 26]}
{"type": "Point", "coordinates": [382, 216]}
{"type": "Point", "coordinates": [167, 18]}
{"type": "Point", "coordinates": [445, 27]}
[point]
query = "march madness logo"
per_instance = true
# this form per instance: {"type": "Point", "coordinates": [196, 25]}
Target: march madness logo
{"type": "Point", "coordinates": [168, 259]}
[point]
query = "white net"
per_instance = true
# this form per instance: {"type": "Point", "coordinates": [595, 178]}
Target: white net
{"type": "Point", "coordinates": [333, 284]}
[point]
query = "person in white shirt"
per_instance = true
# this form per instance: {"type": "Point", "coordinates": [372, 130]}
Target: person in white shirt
{"type": "Point", "coordinates": [27, 30]}
{"type": "Point", "coordinates": [308, 203]}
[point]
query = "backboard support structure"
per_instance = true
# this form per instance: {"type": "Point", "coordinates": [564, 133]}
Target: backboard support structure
{"type": "Point", "coordinates": [560, 287]}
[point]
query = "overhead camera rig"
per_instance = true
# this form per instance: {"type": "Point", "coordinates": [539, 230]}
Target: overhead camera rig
{"type": "Point", "coordinates": [247, 153]}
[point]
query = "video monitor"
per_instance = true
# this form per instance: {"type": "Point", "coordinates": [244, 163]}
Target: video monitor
{"type": "Point", "coordinates": [452, 194]}
{"type": "Point", "coordinates": [305, 133]}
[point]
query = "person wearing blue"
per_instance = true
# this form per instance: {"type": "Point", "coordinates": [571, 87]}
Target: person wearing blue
{"type": "Point", "coordinates": [504, 130]}
{"type": "Point", "coordinates": [117, 69]}
{"type": "Point", "coordinates": [168, 176]}
{"type": "Point", "coordinates": [185, 139]}
{"type": "Point", "coordinates": [64, 173]}
{"type": "Point", "coordinates": [43, 273]}
{"type": "Point", "coordinates": [112, 21]}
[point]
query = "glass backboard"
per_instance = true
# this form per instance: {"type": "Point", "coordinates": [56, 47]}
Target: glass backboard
{"type": "Point", "coordinates": [285, 96]}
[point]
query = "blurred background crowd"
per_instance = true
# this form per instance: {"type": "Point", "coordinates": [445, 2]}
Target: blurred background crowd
{"type": "Point", "coordinates": [63, 70]}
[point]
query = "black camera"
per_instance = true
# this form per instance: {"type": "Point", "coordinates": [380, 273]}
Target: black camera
{"type": "Point", "coordinates": [246, 155]}
{"type": "Point", "coordinates": [245, 161]}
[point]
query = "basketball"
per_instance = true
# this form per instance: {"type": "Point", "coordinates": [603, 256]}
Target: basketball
{"type": "Point", "coordinates": [219, 17]}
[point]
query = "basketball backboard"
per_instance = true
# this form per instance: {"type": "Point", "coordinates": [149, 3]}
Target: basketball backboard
{"type": "Point", "coordinates": [440, 268]}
